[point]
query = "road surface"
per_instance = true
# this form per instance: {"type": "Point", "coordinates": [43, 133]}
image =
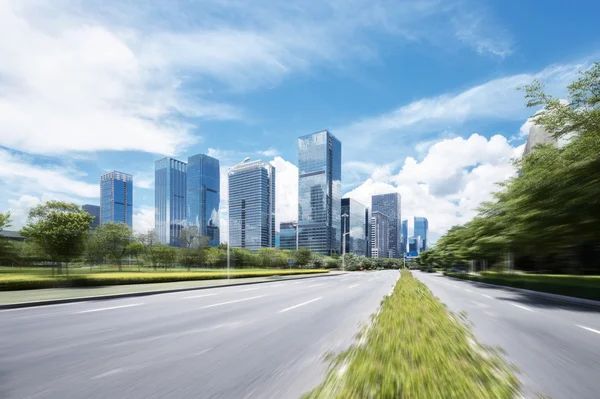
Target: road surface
{"type": "Point", "coordinates": [556, 345]}
{"type": "Point", "coordinates": [256, 341]}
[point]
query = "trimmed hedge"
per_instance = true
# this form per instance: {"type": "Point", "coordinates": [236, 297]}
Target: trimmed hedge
{"type": "Point", "coordinates": [26, 282]}
{"type": "Point", "coordinates": [416, 349]}
{"type": "Point", "coordinates": [587, 287]}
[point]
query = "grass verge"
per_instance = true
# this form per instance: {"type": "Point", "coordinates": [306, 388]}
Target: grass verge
{"type": "Point", "coordinates": [416, 349]}
{"type": "Point", "coordinates": [12, 282]}
{"type": "Point", "coordinates": [587, 287]}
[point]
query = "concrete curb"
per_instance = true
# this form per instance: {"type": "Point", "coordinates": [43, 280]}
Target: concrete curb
{"type": "Point", "coordinates": [556, 297]}
{"type": "Point", "coordinates": [59, 301]}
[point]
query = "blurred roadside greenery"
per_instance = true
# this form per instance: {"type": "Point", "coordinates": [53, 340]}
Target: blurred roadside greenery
{"type": "Point", "coordinates": [416, 349]}
{"type": "Point", "coordinates": [545, 219]}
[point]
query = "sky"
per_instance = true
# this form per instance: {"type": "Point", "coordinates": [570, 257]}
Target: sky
{"type": "Point", "coordinates": [422, 94]}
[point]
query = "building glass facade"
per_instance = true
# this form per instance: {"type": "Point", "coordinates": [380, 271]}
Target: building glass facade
{"type": "Point", "coordinates": [252, 205]}
{"type": "Point", "coordinates": [379, 235]}
{"type": "Point", "coordinates": [94, 211]}
{"type": "Point", "coordinates": [368, 232]}
{"type": "Point", "coordinates": [404, 235]}
{"type": "Point", "coordinates": [355, 225]}
{"type": "Point", "coordinates": [389, 205]}
{"type": "Point", "coordinates": [414, 244]}
{"type": "Point", "coordinates": [116, 198]}
{"type": "Point", "coordinates": [320, 192]}
{"type": "Point", "coordinates": [170, 190]}
{"type": "Point", "coordinates": [421, 230]}
{"type": "Point", "coordinates": [204, 196]}
{"type": "Point", "coordinates": [287, 235]}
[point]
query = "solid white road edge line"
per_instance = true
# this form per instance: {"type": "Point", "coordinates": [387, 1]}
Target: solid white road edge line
{"type": "Point", "coordinates": [110, 308]}
{"type": "Point", "coordinates": [300, 304]}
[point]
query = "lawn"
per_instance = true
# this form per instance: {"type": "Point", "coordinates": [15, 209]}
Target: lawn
{"type": "Point", "coordinates": [34, 278]}
{"type": "Point", "coordinates": [416, 349]}
{"type": "Point", "coordinates": [587, 287]}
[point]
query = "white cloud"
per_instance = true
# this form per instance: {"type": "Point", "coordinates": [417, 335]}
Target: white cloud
{"type": "Point", "coordinates": [269, 152]}
{"type": "Point", "coordinates": [496, 99]}
{"type": "Point", "coordinates": [455, 176]}
{"type": "Point", "coordinates": [286, 190]}
{"type": "Point", "coordinates": [143, 219]}
{"type": "Point", "coordinates": [18, 174]}
{"type": "Point", "coordinates": [19, 210]}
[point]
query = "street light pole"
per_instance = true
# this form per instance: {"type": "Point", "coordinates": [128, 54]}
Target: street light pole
{"type": "Point", "coordinates": [344, 217]}
{"type": "Point", "coordinates": [228, 203]}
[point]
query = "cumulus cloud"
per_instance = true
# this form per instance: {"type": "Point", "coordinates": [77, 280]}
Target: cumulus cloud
{"type": "Point", "coordinates": [286, 190]}
{"type": "Point", "coordinates": [143, 219]}
{"type": "Point", "coordinates": [455, 176]}
{"type": "Point", "coordinates": [18, 174]}
{"type": "Point", "coordinates": [269, 152]}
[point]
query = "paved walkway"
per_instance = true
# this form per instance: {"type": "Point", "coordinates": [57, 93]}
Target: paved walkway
{"type": "Point", "coordinates": [10, 297]}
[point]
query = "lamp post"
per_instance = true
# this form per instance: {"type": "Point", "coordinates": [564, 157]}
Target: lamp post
{"type": "Point", "coordinates": [344, 217]}
{"type": "Point", "coordinates": [229, 230]}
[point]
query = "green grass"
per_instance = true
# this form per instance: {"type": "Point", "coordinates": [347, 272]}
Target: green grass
{"type": "Point", "coordinates": [416, 349]}
{"type": "Point", "coordinates": [25, 281]}
{"type": "Point", "coordinates": [587, 287]}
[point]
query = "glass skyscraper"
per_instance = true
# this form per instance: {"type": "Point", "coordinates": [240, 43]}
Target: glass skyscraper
{"type": "Point", "coordinates": [389, 205]}
{"type": "Point", "coordinates": [93, 210]}
{"type": "Point", "coordinates": [404, 235]}
{"type": "Point", "coordinates": [320, 192]}
{"type": "Point", "coordinates": [170, 189]}
{"type": "Point", "coordinates": [421, 230]}
{"type": "Point", "coordinates": [252, 205]}
{"type": "Point", "coordinates": [287, 235]}
{"type": "Point", "coordinates": [379, 235]}
{"type": "Point", "coordinates": [116, 198]}
{"type": "Point", "coordinates": [354, 224]}
{"type": "Point", "coordinates": [204, 196]}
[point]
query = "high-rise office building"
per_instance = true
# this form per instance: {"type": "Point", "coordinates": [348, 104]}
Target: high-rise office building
{"type": "Point", "coordinates": [404, 236]}
{"type": "Point", "coordinates": [94, 211]}
{"type": "Point", "coordinates": [368, 232]}
{"type": "Point", "coordinates": [116, 198]}
{"type": "Point", "coordinates": [287, 235]}
{"type": "Point", "coordinates": [170, 190]}
{"type": "Point", "coordinates": [414, 244]}
{"type": "Point", "coordinates": [252, 205]}
{"type": "Point", "coordinates": [203, 196]}
{"type": "Point", "coordinates": [320, 192]}
{"type": "Point", "coordinates": [379, 235]}
{"type": "Point", "coordinates": [389, 205]}
{"type": "Point", "coordinates": [421, 230]}
{"type": "Point", "coordinates": [353, 226]}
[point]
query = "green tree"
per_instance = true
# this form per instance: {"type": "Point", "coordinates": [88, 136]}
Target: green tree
{"type": "Point", "coordinates": [115, 237]}
{"type": "Point", "coordinates": [59, 229]}
{"type": "Point", "coordinates": [95, 250]}
{"type": "Point", "coordinates": [7, 250]}
{"type": "Point", "coordinates": [302, 257]}
{"type": "Point", "coordinates": [135, 249]}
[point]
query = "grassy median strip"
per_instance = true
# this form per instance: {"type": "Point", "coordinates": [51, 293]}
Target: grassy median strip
{"type": "Point", "coordinates": [587, 287]}
{"type": "Point", "coordinates": [10, 282]}
{"type": "Point", "coordinates": [416, 349]}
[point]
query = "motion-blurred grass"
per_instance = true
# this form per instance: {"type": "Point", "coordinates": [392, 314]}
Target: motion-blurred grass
{"type": "Point", "coordinates": [24, 281]}
{"type": "Point", "coordinates": [416, 349]}
{"type": "Point", "coordinates": [587, 287]}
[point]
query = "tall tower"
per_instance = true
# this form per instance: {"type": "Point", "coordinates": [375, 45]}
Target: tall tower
{"type": "Point", "coordinates": [204, 196]}
{"type": "Point", "coordinates": [319, 192]}
{"type": "Point", "coordinates": [116, 198]}
{"type": "Point", "coordinates": [170, 190]}
{"type": "Point", "coordinates": [389, 205]}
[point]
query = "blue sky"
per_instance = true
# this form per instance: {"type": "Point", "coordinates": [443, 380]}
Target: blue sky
{"type": "Point", "coordinates": [422, 94]}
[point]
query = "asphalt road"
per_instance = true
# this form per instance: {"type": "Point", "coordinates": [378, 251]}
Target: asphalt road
{"type": "Point", "coordinates": [256, 341]}
{"type": "Point", "coordinates": [556, 345]}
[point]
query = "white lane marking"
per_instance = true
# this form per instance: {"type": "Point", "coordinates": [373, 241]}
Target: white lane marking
{"type": "Point", "coordinates": [199, 296]}
{"type": "Point", "coordinates": [300, 304]}
{"type": "Point", "coordinates": [353, 285]}
{"type": "Point", "coordinates": [110, 372]}
{"type": "Point", "coordinates": [250, 289]}
{"type": "Point", "coordinates": [588, 328]}
{"type": "Point", "coordinates": [522, 307]}
{"type": "Point", "coordinates": [276, 285]}
{"type": "Point", "coordinates": [110, 308]}
{"type": "Point", "coordinates": [455, 286]}
{"type": "Point", "coordinates": [487, 296]}
{"type": "Point", "coordinates": [315, 285]}
{"type": "Point", "coordinates": [468, 290]}
{"type": "Point", "coordinates": [235, 301]}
